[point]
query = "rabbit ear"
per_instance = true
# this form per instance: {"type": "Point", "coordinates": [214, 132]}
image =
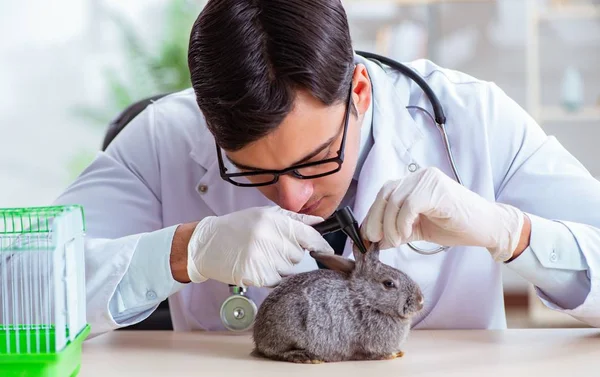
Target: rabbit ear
{"type": "Point", "coordinates": [370, 257]}
{"type": "Point", "coordinates": [334, 262]}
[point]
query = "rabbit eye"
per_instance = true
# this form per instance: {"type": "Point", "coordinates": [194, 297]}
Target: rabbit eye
{"type": "Point", "coordinates": [389, 284]}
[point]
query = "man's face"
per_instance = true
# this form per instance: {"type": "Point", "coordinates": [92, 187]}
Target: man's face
{"type": "Point", "coordinates": [311, 132]}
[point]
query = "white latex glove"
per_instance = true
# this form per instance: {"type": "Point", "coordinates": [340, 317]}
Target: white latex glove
{"type": "Point", "coordinates": [252, 247]}
{"type": "Point", "coordinates": [430, 206]}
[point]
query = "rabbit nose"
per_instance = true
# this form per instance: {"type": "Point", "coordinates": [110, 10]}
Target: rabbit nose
{"type": "Point", "coordinates": [420, 301]}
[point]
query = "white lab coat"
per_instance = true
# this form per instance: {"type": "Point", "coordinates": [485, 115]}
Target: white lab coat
{"type": "Point", "coordinates": [162, 170]}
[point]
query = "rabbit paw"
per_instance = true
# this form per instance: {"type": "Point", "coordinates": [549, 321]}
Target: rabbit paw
{"type": "Point", "coordinates": [392, 356]}
{"type": "Point", "coordinates": [301, 356]}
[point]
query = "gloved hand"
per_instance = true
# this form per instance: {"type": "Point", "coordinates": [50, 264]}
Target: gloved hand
{"type": "Point", "coordinates": [430, 206]}
{"type": "Point", "coordinates": [252, 247]}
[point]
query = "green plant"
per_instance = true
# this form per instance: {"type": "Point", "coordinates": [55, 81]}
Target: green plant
{"type": "Point", "coordinates": [151, 68]}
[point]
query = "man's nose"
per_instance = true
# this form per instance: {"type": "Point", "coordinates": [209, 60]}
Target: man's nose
{"type": "Point", "coordinates": [293, 193]}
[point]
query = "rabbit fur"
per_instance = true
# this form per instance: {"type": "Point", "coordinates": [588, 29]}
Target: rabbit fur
{"type": "Point", "coordinates": [355, 310]}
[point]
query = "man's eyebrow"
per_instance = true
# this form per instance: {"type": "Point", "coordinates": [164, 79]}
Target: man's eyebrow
{"type": "Point", "coordinates": [312, 154]}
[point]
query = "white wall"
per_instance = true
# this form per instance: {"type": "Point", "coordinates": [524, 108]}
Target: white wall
{"type": "Point", "coordinates": [51, 59]}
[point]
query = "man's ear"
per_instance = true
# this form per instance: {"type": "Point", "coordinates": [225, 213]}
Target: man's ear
{"type": "Point", "coordinates": [361, 89]}
{"type": "Point", "coordinates": [334, 262]}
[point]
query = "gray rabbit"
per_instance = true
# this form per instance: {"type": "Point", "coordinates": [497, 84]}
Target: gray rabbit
{"type": "Point", "coordinates": [353, 311]}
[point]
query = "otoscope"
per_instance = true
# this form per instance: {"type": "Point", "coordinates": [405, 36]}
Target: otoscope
{"type": "Point", "coordinates": [342, 219]}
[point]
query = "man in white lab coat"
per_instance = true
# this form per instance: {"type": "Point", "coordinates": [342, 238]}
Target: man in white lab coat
{"type": "Point", "coordinates": [310, 127]}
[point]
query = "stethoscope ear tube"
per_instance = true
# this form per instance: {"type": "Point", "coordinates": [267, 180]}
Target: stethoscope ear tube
{"type": "Point", "coordinates": [438, 111]}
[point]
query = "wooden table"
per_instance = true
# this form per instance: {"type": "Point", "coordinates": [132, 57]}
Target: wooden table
{"type": "Point", "coordinates": [509, 353]}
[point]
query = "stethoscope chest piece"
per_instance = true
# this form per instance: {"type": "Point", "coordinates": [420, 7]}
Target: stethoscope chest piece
{"type": "Point", "coordinates": [238, 311]}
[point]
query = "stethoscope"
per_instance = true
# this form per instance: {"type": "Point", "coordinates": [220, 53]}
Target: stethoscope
{"type": "Point", "coordinates": [238, 311]}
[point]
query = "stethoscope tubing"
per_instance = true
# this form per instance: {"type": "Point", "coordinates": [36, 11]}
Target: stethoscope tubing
{"type": "Point", "coordinates": [440, 120]}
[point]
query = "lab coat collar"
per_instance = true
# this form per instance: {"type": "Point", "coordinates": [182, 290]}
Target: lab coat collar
{"type": "Point", "coordinates": [394, 134]}
{"type": "Point", "coordinates": [219, 195]}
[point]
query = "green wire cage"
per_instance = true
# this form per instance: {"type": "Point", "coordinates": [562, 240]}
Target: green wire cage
{"type": "Point", "coordinates": [42, 292]}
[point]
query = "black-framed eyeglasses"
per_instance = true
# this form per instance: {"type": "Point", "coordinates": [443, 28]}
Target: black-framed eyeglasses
{"type": "Point", "coordinates": [308, 170]}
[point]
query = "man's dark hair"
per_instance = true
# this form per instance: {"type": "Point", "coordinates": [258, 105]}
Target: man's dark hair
{"type": "Point", "coordinates": [247, 59]}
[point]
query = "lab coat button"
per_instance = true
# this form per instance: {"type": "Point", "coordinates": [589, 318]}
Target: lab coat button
{"type": "Point", "coordinates": [412, 167]}
{"type": "Point", "coordinates": [202, 188]}
{"type": "Point", "coordinates": [151, 295]}
{"type": "Point", "coordinates": [553, 257]}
